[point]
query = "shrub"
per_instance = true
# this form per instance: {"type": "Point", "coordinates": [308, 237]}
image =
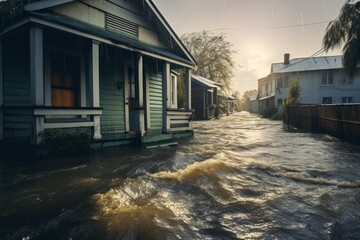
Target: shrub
{"type": "Point", "coordinates": [58, 142]}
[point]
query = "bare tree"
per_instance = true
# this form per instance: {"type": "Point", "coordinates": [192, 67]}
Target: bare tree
{"type": "Point", "coordinates": [213, 54]}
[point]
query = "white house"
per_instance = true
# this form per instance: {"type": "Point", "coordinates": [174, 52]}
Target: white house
{"type": "Point", "coordinates": [323, 80]}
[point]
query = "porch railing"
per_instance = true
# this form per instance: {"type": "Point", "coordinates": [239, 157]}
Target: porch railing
{"type": "Point", "coordinates": [179, 120]}
{"type": "Point", "coordinates": [50, 117]}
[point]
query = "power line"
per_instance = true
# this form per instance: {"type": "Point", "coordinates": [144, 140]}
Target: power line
{"type": "Point", "coordinates": [317, 53]}
{"type": "Point", "coordinates": [271, 27]}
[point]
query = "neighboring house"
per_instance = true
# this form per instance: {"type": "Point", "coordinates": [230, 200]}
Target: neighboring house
{"type": "Point", "coordinates": [323, 80]}
{"type": "Point", "coordinates": [203, 97]}
{"type": "Point", "coordinates": [254, 104]}
{"type": "Point", "coordinates": [227, 103]}
{"type": "Point", "coordinates": [102, 66]}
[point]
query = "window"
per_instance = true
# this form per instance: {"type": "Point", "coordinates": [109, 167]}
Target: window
{"type": "Point", "coordinates": [283, 81]}
{"type": "Point", "coordinates": [286, 80]}
{"type": "Point", "coordinates": [347, 99]}
{"type": "Point", "coordinates": [326, 100]}
{"type": "Point", "coordinates": [346, 80]}
{"type": "Point", "coordinates": [209, 97]}
{"type": "Point", "coordinates": [327, 78]}
{"type": "Point", "coordinates": [173, 91]}
{"type": "Point", "coordinates": [65, 78]}
{"type": "Point", "coordinates": [131, 79]}
{"type": "Point", "coordinates": [280, 101]}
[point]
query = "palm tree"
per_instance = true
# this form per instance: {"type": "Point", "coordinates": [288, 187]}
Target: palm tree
{"type": "Point", "coordinates": [345, 29]}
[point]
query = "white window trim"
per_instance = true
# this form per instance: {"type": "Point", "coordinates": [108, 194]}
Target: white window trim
{"type": "Point", "coordinates": [347, 98]}
{"type": "Point", "coordinates": [173, 91]}
{"type": "Point", "coordinates": [327, 79]}
{"type": "Point", "coordinates": [48, 73]}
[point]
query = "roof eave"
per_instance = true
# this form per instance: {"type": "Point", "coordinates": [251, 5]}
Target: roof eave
{"type": "Point", "coordinates": [41, 5]}
{"type": "Point", "coordinates": [170, 30]}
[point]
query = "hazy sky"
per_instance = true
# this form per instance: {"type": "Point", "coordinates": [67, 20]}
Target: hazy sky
{"type": "Point", "coordinates": [256, 29]}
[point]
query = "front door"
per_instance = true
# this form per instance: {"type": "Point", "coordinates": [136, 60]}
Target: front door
{"type": "Point", "coordinates": [130, 98]}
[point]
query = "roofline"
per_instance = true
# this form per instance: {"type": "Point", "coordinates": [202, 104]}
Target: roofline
{"type": "Point", "coordinates": [170, 30]}
{"type": "Point", "coordinates": [215, 83]}
{"type": "Point", "coordinates": [40, 5]}
{"type": "Point", "coordinates": [303, 59]}
{"type": "Point", "coordinates": [203, 81]}
{"type": "Point", "coordinates": [52, 3]}
{"type": "Point", "coordinates": [312, 70]}
{"type": "Point", "coordinates": [43, 22]}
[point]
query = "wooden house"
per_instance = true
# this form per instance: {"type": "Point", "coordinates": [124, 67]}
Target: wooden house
{"type": "Point", "coordinates": [100, 66]}
{"type": "Point", "coordinates": [227, 103]}
{"type": "Point", "coordinates": [203, 97]}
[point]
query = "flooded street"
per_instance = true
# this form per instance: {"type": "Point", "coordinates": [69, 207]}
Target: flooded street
{"type": "Point", "coordinates": [240, 177]}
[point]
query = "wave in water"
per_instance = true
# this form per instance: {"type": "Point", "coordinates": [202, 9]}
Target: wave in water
{"type": "Point", "coordinates": [164, 204]}
{"type": "Point", "coordinates": [305, 177]}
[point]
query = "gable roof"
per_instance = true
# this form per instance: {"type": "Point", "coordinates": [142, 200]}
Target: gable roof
{"type": "Point", "coordinates": [34, 8]}
{"type": "Point", "coordinates": [308, 64]}
{"type": "Point", "coordinates": [170, 30]}
{"type": "Point", "coordinates": [204, 81]}
{"type": "Point", "coordinates": [40, 5]}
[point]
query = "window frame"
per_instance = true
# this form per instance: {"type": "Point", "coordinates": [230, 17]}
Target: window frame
{"type": "Point", "coordinates": [347, 99]}
{"type": "Point", "coordinates": [81, 94]}
{"type": "Point", "coordinates": [323, 98]}
{"type": "Point", "coordinates": [345, 80]}
{"type": "Point", "coordinates": [326, 82]}
{"type": "Point", "coordinates": [173, 91]}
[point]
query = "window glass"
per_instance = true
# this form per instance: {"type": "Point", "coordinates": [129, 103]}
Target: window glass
{"type": "Point", "coordinates": [326, 100]}
{"type": "Point", "coordinates": [65, 79]}
{"type": "Point", "coordinates": [347, 99]}
{"type": "Point", "coordinates": [327, 78]}
{"type": "Point", "coordinates": [173, 93]}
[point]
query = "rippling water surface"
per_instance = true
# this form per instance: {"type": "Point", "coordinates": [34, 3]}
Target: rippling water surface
{"type": "Point", "coordinates": [240, 177]}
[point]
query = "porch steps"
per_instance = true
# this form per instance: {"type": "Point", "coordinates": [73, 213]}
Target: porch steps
{"type": "Point", "coordinates": [164, 139]}
{"type": "Point", "coordinates": [157, 140]}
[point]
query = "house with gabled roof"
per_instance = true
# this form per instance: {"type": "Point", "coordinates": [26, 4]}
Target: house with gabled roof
{"type": "Point", "coordinates": [105, 67]}
{"type": "Point", "coordinates": [204, 94]}
{"type": "Point", "coordinates": [323, 80]}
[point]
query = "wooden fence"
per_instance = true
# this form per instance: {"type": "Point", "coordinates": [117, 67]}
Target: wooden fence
{"type": "Point", "coordinates": [342, 121]}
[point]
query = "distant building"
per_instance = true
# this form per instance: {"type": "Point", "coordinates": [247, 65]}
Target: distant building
{"type": "Point", "coordinates": [203, 97]}
{"type": "Point", "coordinates": [323, 80]}
{"type": "Point", "coordinates": [254, 104]}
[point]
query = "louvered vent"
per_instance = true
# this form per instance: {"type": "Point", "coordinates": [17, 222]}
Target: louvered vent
{"type": "Point", "coordinates": [120, 24]}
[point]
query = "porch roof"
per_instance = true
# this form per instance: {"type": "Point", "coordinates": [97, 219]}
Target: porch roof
{"type": "Point", "coordinates": [267, 97]}
{"type": "Point", "coordinates": [204, 81]}
{"type": "Point", "coordinates": [113, 37]}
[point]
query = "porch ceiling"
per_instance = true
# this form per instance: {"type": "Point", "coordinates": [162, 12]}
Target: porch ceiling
{"type": "Point", "coordinates": [113, 37]}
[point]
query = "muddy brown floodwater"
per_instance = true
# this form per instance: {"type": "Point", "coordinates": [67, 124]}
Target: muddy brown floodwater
{"type": "Point", "coordinates": [240, 177]}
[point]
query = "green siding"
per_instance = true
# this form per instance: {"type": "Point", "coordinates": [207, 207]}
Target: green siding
{"type": "Point", "coordinates": [16, 70]}
{"type": "Point", "coordinates": [18, 124]}
{"type": "Point", "coordinates": [18, 119]}
{"type": "Point", "coordinates": [155, 98]}
{"type": "Point", "coordinates": [112, 99]}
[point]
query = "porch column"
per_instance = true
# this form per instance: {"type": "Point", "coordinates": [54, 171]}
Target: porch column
{"type": "Point", "coordinates": [188, 89]}
{"type": "Point", "coordinates": [1, 93]}
{"type": "Point", "coordinates": [140, 74]}
{"type": "Point", "coordinates": [95, 85]}
{"type": "Point", "coordinates": [37, 77]}
{"type": "Point", "coordinates": [165, 95]}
